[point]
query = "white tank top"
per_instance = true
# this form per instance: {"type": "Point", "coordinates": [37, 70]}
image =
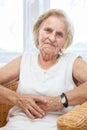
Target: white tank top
{"type": "Point", "coordinates": [51, 82]}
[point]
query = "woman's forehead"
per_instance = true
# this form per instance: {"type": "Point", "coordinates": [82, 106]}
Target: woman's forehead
{"type": "Point", "coordinates": [54, 21]}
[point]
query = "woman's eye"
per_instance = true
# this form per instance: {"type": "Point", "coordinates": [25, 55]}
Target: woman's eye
{"type": "Point", "coordinates": [48, 30]}
{"type": "Point", "coordinates": [59, 34]}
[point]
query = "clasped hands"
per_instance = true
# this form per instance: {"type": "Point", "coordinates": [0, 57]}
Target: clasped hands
{"type": "Point", "coordinates": [38, 106]}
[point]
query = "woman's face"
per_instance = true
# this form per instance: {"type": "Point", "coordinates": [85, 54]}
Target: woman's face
{"type": "Point", "coordinates": [52, 36]}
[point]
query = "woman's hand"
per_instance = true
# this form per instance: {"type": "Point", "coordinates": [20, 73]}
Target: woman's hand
{"type": "Point", "coordinates": [29, 105]}
{"type": "Point", "coordinates": [53, 104]}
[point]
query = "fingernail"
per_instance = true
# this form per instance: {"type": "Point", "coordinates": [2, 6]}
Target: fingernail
{"type": "Point", "coordinates": [43, 113]}
{"type": "Point", "coordinates": [40, 115]}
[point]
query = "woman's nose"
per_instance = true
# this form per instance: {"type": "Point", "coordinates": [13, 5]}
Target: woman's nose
{"type": "Point", "coordinates": [52, 37]}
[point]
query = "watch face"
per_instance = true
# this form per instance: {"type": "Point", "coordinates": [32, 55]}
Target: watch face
{"type": "Point", "coordinates": [63, 100]}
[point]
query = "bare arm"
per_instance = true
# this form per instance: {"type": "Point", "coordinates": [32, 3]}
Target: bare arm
{"type": "Point", "coordinates": [79, 94]}
{"type": "Point", "coordinates": [9, 73]}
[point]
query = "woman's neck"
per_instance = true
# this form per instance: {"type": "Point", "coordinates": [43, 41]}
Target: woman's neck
{"type": "Point", "coordinates": [47, 63]}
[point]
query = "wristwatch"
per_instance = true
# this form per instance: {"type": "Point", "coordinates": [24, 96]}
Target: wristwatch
{"type": "Point", "coordinates": [64, 100]}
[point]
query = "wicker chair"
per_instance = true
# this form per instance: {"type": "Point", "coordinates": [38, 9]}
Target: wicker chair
{"type": "Point", "coordinates": [75, 119]}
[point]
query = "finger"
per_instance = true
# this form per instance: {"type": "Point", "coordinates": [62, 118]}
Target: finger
{"type": "Point", "coordinates": [29, 114]}
{"type": "Point", "coordinates": [37, 109]}
{"type": "Point", "coordinates": [35, 112]}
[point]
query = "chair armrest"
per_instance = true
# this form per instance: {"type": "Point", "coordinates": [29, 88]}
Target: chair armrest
{"type": "Point", "coordinates": [4, 108]}
{"type": "Point", "coordinates": [76, 119]}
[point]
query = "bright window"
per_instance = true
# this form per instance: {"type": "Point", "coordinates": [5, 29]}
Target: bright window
{"type": "Point", "coordinates": [11, 25]}
{"type": "Point", "coordinates": [11, 29]}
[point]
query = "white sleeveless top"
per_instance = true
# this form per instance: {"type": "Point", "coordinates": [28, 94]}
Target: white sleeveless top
{"type": "Point", "coordinates": [37, 81]}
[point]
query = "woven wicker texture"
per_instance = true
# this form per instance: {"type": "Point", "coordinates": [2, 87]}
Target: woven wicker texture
{"type": "Point", "coordinates": [4, 108]}
{"type": "Point", "coordinates": [75, 119]}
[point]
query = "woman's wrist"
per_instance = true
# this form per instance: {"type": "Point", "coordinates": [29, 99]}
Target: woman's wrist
{"type": "Point", "coordinates": [8, 96]}
{"type": "Point", "coordinates": [59, 105]}
{"type": "Point", "coordinates": [13, 98]}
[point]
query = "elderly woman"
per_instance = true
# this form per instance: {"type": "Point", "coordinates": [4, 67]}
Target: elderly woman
{"type": "Point", "coordinates": [48, 79]}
